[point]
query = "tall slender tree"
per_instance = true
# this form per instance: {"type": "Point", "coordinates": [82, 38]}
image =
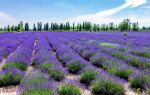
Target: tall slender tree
{"type": "Point", "coordinates": [20, 27]}
{"type": "Point", "coordinates": [34, 27]}
{"type": "Point", "coordinates": [26, 26]}
{"type": "Point", "coordinates": [73, 26]}
{"type": "Point", "coordinates": [39, 26]}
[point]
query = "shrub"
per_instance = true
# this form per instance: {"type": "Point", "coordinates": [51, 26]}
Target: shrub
{"type": "Point", "coordinates": [118, 54]}
{"type": "Point", "coordinates": [36, 83]}
{"type": "Point", "coordinates": [34, 77]}
{"type": "Point", "coordinates": [57, 75]}
{"type": "Point", "coordinates": [69, 89]}
{"type": "Point", "coordinates": [98, 61]}
{"type": "Point", "coordinates": [64, 58]}
{"type": "Point", "coordinates": [88, 55]}
{"type": "Point", "coordinates": [45, 66]}
{"type": "Point", "coordinates": [107, 87]}
{"type": "Point", "coordinates": [75, 66]}
{"type": "Point", "coordinates": [123, 49]}
{"type": "Point", "coordinates": [148, 91]}
{"type": "Point", "coordinates": [141, 53]}
{"type": "Point", "coordinates": [124, 73]}
{"type": "Point", "coordinates": [139, 81]}
{"type": "Point", "coordinates": [83, 51]}
{"type": "Point", "coordinates": [38, 92]}
{"type": "Point", "coordinates": [11, 77]}
{"type": "Point", "coordinates": [21, 66]}
{"type": "Point", "coordinates": [120, 71]}
{"type": "Point", "coordinates": [88, 76]}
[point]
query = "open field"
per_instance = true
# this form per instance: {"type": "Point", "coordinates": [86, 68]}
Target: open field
{"type": "Point", "coordinates": [72, 63]}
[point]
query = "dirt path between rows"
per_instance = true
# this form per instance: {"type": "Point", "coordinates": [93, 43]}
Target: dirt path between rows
{"type": "Point", "coordinates": [11, 90]}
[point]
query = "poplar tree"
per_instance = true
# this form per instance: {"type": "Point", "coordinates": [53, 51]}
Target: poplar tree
{"type": "Point", "coordinates": [26, 27]}
{"type": "Point", "coordinates": [20, 27]}
{"type": "Point", "coordinates": [34, 27]}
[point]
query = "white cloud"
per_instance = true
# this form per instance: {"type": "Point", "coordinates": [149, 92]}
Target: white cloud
{"type": "Point", "coordinates": [106, 15]}
{"type": "Point", "coordinates": [6, 19]}
{"type": "Point", "coordinates": [136, 3]}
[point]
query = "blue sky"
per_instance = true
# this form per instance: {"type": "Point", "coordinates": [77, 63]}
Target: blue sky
{"type": "Point", "coordinates": [98, 11]}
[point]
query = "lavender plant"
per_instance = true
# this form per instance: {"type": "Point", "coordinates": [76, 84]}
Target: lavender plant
{"type": "Point", "coordinates": [69, 89]}
{"type": "Point", "coordinates": [11, 77]}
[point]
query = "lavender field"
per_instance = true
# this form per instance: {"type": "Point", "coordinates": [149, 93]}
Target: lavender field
{"type": "Point", "coordinates": [75, 63]}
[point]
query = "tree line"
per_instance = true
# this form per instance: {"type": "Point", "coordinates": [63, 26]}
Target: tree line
{"type": "Point", "coordinates": [125, 25]}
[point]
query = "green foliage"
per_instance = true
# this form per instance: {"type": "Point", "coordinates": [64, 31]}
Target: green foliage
{"type": "Point", "coordinates": [46, 66]}
{"type": "Point", "coordinates": [9, 79]}
{"type": "Point", "coordinates": [75, 66]}
{"type": "Point", "coordinates": [113, 67]}
{"type": "Point", "coordinates": [87, 55]}
{"type": "Point", "coordinates": [57, 75]}
{"type": "Point", "coordinates": [46, 27]}
{"type": "Point", "coordinates": [39, 26]}
{"type": "Point", "coordinates": [125, 25]}
{"type": "Point", "coordinates": [107, 87]}
{"type": "Point", "coordinates": [69, 89]}
{"type": "Point", "coordinates": [88, 76]}
{"type": "Point", "coordinates": [38, 92]}
{"type": "Point", "coordinates": [34, 27]}
{"type": "Point", "coordinates": [82, 52]}
{"type": "Point", "coordinates": [141, 53]}
{"type": "Point", "coordinates": [27, 27]}
{"type": "Point", "coordinates": [123, 73]}
{"type": "Point", "coordinates": [20, 27]}
{"type": "Point", "coordinates": [34, 78]}
{"type": "Point", "coordinates": [21, 66]}
{"type": "Point", "coordinates": [108, 45]}
{"type": "Point", "coordinates": [139, 81]}
{"type": "Point", "coordinates": [148, 91]}
{"type": "Point", "coordinates": [98, 61]}
{"type": "Point", "coordinates": [135, 26]}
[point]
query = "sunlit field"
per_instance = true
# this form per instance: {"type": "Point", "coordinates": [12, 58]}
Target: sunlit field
{"type": "Point", "coordinates": [75, 63]}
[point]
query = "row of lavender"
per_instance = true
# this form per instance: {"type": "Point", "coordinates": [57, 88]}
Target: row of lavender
{"type": "Point", "coordinates": [18, 61]}
{"type": "Point", "coordinates": [127, 66]}
{"type": "Point", "coordinates": [9, 42]}
{"type": "Point", "coordinates": [48, 70]}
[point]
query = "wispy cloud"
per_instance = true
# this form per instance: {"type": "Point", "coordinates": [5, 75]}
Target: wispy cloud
{"type": "Point", "coordinates": [105, 16]}
{"type": "Point", "coordinates": [6, 19]}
